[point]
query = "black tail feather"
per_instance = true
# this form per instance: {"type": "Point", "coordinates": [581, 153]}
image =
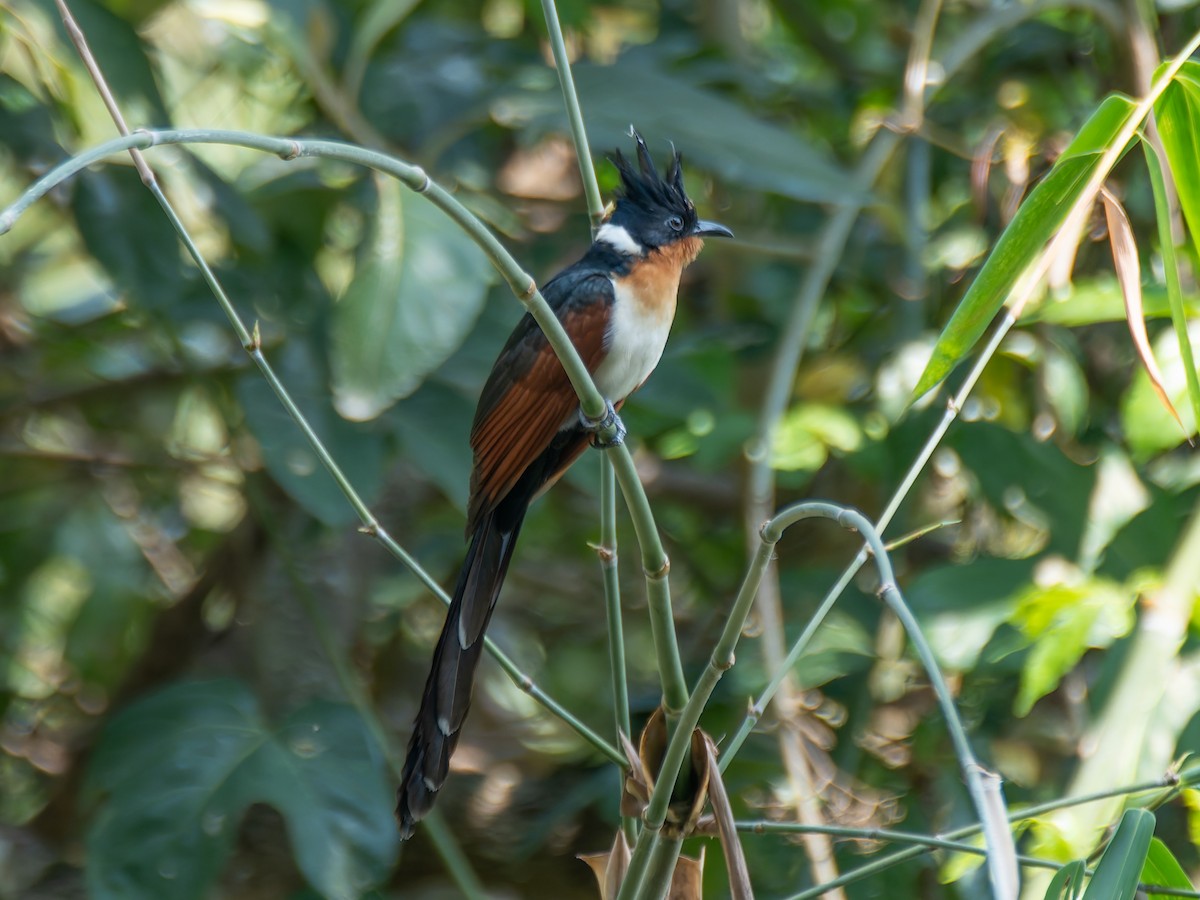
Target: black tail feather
{"type": "Point", "coordinates": [447, 695]}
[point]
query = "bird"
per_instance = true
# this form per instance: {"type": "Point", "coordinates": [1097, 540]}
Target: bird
{"type": "Point", "coordinates": [617, 304]}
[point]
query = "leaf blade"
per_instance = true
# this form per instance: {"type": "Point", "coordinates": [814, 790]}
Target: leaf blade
{"type": "Point", "coordinates": [1043, 212]}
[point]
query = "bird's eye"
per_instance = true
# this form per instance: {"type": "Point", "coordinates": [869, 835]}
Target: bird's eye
{"type": "Point", "coordinates": [675, 223]}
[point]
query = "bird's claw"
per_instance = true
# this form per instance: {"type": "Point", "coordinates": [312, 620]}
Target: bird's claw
{"type": "Point", "coordinates": [610, 419]}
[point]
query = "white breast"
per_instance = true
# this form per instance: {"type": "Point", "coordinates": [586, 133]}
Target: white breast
{"type": "Point", "coordinates": [637, 336]}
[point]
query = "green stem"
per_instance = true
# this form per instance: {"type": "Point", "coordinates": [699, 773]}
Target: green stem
{"type": "Point", "coordinates": [661, 869]}
{"type": "Point", "coordinates": [1187, 778]}
{"type": "Point", "coordinates": [922, 842]}
{"type": "Point", "coordinates": [658, 590]}
{"type": "Point", "coordinates": [607, 551]}
{"type": "Point", "coordinates": [591, 189]}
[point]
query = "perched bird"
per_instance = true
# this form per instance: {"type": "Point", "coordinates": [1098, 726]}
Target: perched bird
{"type": "Point", "coordinates": [617, 304]}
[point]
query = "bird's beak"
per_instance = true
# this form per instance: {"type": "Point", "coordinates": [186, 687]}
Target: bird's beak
{"type": "Point", "coordinates": [711, 229]}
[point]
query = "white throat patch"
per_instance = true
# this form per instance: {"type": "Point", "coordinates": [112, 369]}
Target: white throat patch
{"type": "Point", "coordinates": [617, 237]}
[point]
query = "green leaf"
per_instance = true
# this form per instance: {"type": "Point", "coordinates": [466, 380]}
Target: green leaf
{"type": "Point", "coordinates": [431, 427]}
{"type": "Point", "coordinates": [292, 462]}
{"type": "Point", "coordinates": [1097, 298]}
{"type": "Point", "coordinates": [123, 228]}
{"type": "Point", "coordinates": [1163, 869]}
{"type": "Point", "coordinates": [172, 775]}
{"type": "Point", "coordinates": [1149, 428]}
{"type": "Point", "coordinates": [1116, 876]}
{"type": "Point", "coordinates": [1042, 213]}
{"type": "Point", "coordinates": [1034, 481]}
{"type": "Point", "coordinates": [1177, 113]}
{"type": "Point", "coordinates": [1182, 145]}
{"type": "Point", "coordinates": [121, 56]}
{"type": "Point", "coordinates": [1067, 883]}
{"type": "Point", "coordinates": [807, 432]}
{"type": "Point", "coordinates": [960, 607]}
{"type": "Point", "coordinates": [1063, 621]}
{"type": "Point", "coordinates": [418, 287]}
{"type": "Point", "coordinates": [840, 647]}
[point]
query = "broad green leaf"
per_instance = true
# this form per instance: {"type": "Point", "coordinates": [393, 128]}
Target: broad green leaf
{"type": "Point", "coordinates": [1162, 868]}
{"type": "Point", "coordinates": [1149, 428]}
{"type": "Point", "coordinates": [1042, 213]}
{"type": "Point", "coordinates": [1066, 388]}
{"type": "Point", "coordinates": [1116, 876]}
{"type": "Point", "coordinates": [840, 647]}
{"type": "Point", "coordinates": [1067, 883]}
{"type": "Point", "coordinates": [292, 462]}
{"type": "Point", "coordinates": [431, 427]}
{"type": "Point", "coordinates": [960, 607]}
{"type": "Point", "coordinates": [172, 775]}
{"type": "Point", "coordinates": [808, 431]}
{"type": "Point", "coordinates": [417, 290]}
{"type": "Point", "coordinates": [1063, 621]}
{"type": "Point", "coordinates": [124, 229]}
{"type": "Point", "coordinates": [1034, 481]}
{"type": "Point", "coordinates": [121, 56]}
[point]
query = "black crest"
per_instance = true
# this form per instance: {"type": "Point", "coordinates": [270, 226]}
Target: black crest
{"type": "Point", "coordinates": [647, 189]}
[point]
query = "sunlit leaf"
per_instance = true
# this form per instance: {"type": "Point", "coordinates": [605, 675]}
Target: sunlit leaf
{"type": "Point", "coordinates": [1162, 868]}
{"type": "Point", "coordinates": [1129, 275]}
{"type": "Point", "coordinates": [173, 774]}
{"type": "Point", "coordinates": [1062, 621]}
{"type": "Point", "coordinates": [121, 56]}
{"type": "Point", "coordinates": [1166, 241]}
{"type": "Point", "coordinates": [1116, 875]}
{"type": "Point", "coordinates": [1039, 217]}
{"type": "Point", "coordinates": [808, 431]}
{"type": "Point", "coordinates": [417, 289]}
{"type": "Point", "coordinates": [1098, 298]}
{"type": "Point", "coordinates": [1148, 427]}
{"type": "Point", "coordinates": [960, 607]}
{"type": "Point", "coordinates": [1177, 114]}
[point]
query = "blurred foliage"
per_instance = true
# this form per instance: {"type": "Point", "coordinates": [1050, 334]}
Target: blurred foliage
{"type": "Point", "coordinates": [175, 564]}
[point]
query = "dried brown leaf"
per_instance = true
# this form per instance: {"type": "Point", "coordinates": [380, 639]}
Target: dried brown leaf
{"type": "Point", "coordinates": [731, 845]}
{"type": "Point", "coordinates": [1125, 261]}
{"type": "Point", "coordinates": [687, 883]}
{"type": "Point", "coordinates": [610, 866]}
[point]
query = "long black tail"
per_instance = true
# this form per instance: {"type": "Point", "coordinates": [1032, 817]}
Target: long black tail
{"type": "Point", "coordinates": [447, 695]}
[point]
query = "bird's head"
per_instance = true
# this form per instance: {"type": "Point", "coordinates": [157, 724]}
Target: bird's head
{"type": "Point", "coordinates": [653, 212]}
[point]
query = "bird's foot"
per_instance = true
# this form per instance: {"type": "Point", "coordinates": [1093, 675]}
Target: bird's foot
{"type": "Point", "coordinates": [610, 419]}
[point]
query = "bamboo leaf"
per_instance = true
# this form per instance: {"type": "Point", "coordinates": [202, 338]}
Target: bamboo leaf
{"type": "Point", "coordinates": [735, 859]}
{"type": "Point", "coordinates": [1163, 869]}
{"type": "Point", "coordinates": [1125, 261]}
{"type": "Point", "coordinates": [1116, 877]}
{"type": "Point", "coordinates": [1042, 213]}
{"type": "Point", "coordinates": [1179, 315]}
{"type": "Point", "coordinates": [1067, 884]}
